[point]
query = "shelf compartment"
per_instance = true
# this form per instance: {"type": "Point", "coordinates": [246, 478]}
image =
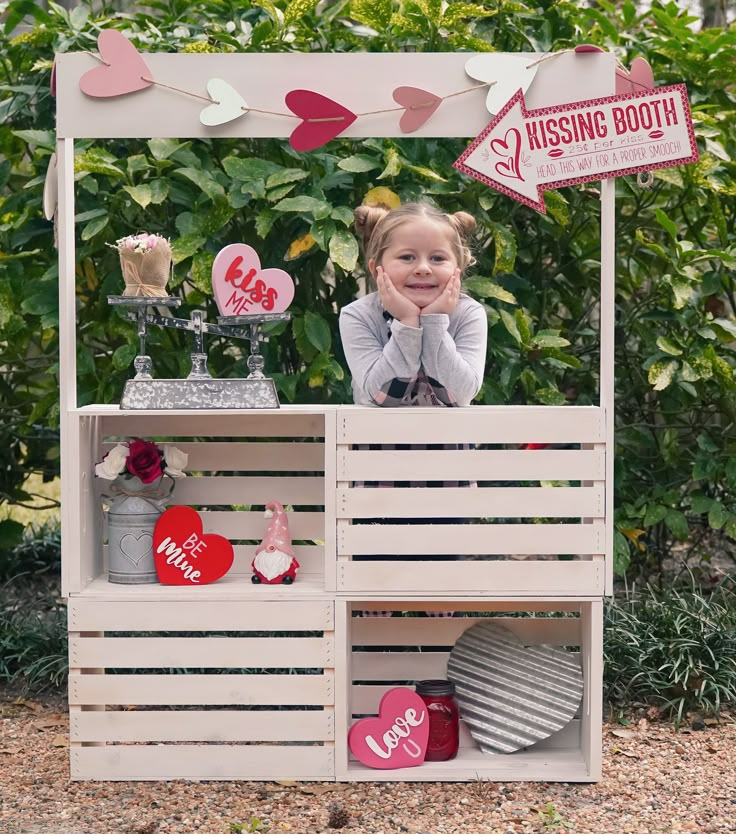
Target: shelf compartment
{"type": "Point", "coordinates": [388, 651]}
{"type": "Point", "coordinates": [257, 696]}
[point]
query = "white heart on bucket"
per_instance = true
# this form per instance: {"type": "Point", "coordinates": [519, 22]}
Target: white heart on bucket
{"type": "Point", "coordinates": [510, 695]}
{"type": "Point", "coordinates": [242, 288]}
{"type": "Point", "coordinates": [136, 548]}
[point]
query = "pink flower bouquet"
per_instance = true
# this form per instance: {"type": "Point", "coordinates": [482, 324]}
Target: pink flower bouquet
{"type": "Point", "coordinates": [146, 262]}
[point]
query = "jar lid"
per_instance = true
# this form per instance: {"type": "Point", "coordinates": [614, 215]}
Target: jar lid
{"type": "Point", "coordinates": [435, 687]}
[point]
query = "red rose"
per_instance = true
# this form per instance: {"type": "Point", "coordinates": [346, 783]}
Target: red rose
{"type": "Point", "coordinates": [144, 460]}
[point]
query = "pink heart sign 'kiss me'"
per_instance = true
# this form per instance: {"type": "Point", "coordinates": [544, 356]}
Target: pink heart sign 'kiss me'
{"type": "Point", "coordinates": [242, 288]}
{"type": "Point", "coordinates": [397, 737]}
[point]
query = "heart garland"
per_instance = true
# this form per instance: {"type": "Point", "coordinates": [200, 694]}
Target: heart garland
{"type": "Point", "coordinates": [639, 77]}
{"type": "Point", "coordinates": [322, 119]}
{"type": "Point", "coordinates": [123, 71]}
{"type": "Point", "coordinates": [419, 104]}
{"type": "Point", "coordinates": [229, 104]}
{"type": "Point", "coordinates": [505, 73]}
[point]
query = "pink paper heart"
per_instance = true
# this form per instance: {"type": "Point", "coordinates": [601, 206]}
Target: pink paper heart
{"type": "Point", "coordinates": [397, 737]}
{"type": "Point", "coordinates": [309, 106]}
{"type": "Point", "coordinates": [419, 104]}
{"type": "Point", "coordinates": [242, 288]}
{"type": "Point", "coordinates": [124, 71]}
{"type": "Point", "coordinates": [639, 78]}
{"type": "Point", "coordinates": [510, 148]}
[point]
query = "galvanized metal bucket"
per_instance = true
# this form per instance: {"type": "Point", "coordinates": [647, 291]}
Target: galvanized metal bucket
{"type": "Point", "coordinates": [131, 519]}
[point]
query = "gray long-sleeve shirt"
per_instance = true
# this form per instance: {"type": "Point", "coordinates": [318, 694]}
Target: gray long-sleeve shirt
{"type": "Point", "coordinates": [450, 349]}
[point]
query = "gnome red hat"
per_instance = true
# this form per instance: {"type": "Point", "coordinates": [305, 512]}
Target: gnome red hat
{"type": "Point", "coordinates": [277, 536]}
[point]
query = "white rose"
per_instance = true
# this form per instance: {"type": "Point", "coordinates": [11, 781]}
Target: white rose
{"type": "Point", "coordinates": [113, 464]}
{"type": "Point", "coordinates": [176, 462]}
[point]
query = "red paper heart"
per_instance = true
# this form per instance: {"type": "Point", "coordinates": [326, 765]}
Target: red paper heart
{"type": "Point", "coordinates": [309, 106]}
{"type": "Point", "coordinates": [397, 737]}
{"type": "Point", "coordinates": [242, 288]}
{"type": "Point", "coordinates": [510, 147]}
{"type": "Point", "coordinates": [419, 106]}
{"type": "Point", "coordinates": [124, 70]}
{"type": "Point", "coordinates": [186, 556]}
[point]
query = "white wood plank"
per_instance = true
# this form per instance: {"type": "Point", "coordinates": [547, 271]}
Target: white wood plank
{"type": "Point", "coordinates": [362, 81]}
{"type": "Point", "coordinates": [243, 690]}
{"type": "Point", "coordinates": [202, 725]}
{"type": "Point", "coordinates": [471, 465]}
{"type": "Point", "coordinates": [441, 631]}
{"type": "Point", "coordinates": [239, 525]}
{"type": "Point", "coordinates": [208, 491]}
{"type": "Point", "coordinates": [592, 707]}
{"type": "Point", "coordinates": [481, 502]}
{"type": "Point", "coordinates": [530, 579]}
{"type": "Point", "coordinates": [201, 652]}
{"type": "Point", "coordinates": [212, 761]}
{"type": "Point", "coordinates": [469, 539]}
{"type": "Point", "coordinates": [287, 421]}
{"type": "Point", "coordinates": [246, 456]}
{"type": "Point", "coordinates": [115, 614]}
{"type": "Point", "coordinates": [477, 424]}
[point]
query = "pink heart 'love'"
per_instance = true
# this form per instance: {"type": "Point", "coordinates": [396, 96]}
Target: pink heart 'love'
{"type": "Point", "coordinates": [242, 288]}
{"type": "Point", "coordinates": [419, 104]}
{"type": "Point", "coordinates": [509, 147]}
{"type": "Point", "coordinates": [397, 737]}
{"type": "Point", "coordinates": [324, 119]}
{"type": "Point", "coordinates": [124, 71]}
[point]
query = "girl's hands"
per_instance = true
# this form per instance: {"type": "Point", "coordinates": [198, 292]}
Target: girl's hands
{"type": "Point", "coordinates": [446, 301]}
{"type": "Point", "coordinates": [398, 305]}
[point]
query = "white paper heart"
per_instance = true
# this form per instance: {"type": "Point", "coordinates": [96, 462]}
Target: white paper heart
{"type": "Point", "coordinates": [509, 71]}
{"type": "Point", "coordinates": [229, 104]}
{"type": "Point", "coordinates": [136, 548]}
{"type": "Point", "coordinates": [50, 189]}
{"type": "Point", "coordinates": [511, 695]}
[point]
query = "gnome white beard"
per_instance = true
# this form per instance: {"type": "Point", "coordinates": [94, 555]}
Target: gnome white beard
{"type": "Point", "coordinates": [272, 563]}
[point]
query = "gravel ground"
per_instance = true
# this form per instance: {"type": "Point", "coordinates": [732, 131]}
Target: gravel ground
{"type": "Point", "coordinates": [656, 781]}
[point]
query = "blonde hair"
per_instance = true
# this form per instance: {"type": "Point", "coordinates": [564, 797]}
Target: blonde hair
{"type": "Point", "coordinates": [375, 226]}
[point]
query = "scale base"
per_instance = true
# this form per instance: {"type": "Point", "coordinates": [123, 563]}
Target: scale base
{"type": "Point", "coordinates": [154, 394]}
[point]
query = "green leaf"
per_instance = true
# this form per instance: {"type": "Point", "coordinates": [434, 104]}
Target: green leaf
{"type": "Point", "coordinates": [202, 271]}
{"type": "Point", "coordinates": [123, 357]}
{"type": "Point", "coordinates": [11, 533]}
{"type": "Point", "coordinates": [41, 302]}
{"type": "Point", "coordinates": [621, 554]}
{"type": "Point", "coordinates": [486, 288]}
{"type": "Point", "coordinates": [159, 191]}
{"type": "Point", "coordinates": [246, 169]}
{"type": "Point", "coordinates": [94, 161]}
{"type": "Point", "coordinates": [344, 250]}
{"type": "Point", "coordinates": [393, 164]}
{"type": "Point", "coordinates": [509, 322]}
{"type": "Point", "coordinates": [303, 204]}
{"type": "Point", "coordinates": [506, 248]}
{"type": "Point", "coordinates": [676, 523]}
{"type": "Point", "coordinates": [343, 214]}
{"type": "Point", "coordinates": [550, 396]}
{"type": "Point", "coordinates": [423, 171]}
{"type": "Point", "coordinates": [549, 338]}
{"type": "Point", "coordinates": [94, 227]}
{"type": "Point", "coordinates": [654, 514]}
{"type": "Point", "coordinates": [661, 373]}
{"type": "Point", "coordinates": [717, 515]}
{"type": "Point", "coordinates": [140, 193]}
{"type": "Point", "coordinates": [557, 207]}
{"type": "Point", "coordinates": [725, 329]}
{"type": "Point", "coordinates": [668, 346]}
{"type": "Point", "coordinates": [185, 246]}
{"type": "Point", "coordinates": [317, 331]}
{"type": "Point", "coordinates": [264, 221]}
{"type": "Point", "coordinates": [668, 225]}
{"type": "Point", "coordinates": [374, 13]}
{"type": "Point", "coordinates": [523, 324]}
{"type": "Point", "coordinates": [42, 138]}
{"type": "Point", "coordinates": [203, 180]}
{"type": "Point", "coordinates": [297, 9]}
{"type": "Point", "coordinates": [358, 163]}
{"type": "Point", "coordinates": [284, 176]}
{"type": "Point", "coordinates": [163, 148]}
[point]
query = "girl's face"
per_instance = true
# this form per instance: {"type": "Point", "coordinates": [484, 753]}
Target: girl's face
{"type": "Point", "coordinates": [419, 260]}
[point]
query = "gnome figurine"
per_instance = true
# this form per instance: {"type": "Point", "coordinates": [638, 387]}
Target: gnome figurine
{"type": "Point", "coordinates": [274, 561]}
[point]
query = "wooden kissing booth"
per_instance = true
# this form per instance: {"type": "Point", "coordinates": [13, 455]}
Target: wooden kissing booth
{"type": "Point", "coordinates": [278, 674]}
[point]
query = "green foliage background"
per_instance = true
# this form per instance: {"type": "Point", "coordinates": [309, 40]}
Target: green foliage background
{"type": "Point", "coordinates": [537, 275]}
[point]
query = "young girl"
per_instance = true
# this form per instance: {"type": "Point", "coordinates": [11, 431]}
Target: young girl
{"type": "Point", "coordinates": [417, 340]}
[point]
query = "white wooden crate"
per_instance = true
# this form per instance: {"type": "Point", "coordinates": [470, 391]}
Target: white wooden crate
{"type": "Point", "coordinates": [515, 525]}
{"type": "Point", "coordinates": [386, 652]}
{"type": "Point", "coordinates": [256, 704]}
{"type": "Point", "coordinates": [237, 463]}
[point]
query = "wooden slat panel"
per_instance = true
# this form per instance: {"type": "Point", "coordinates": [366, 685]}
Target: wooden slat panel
{"type": "Point", "coordinates": [202, 725]}
{"type": "Point", "coordinates": [236, 490]}
{"type": "Point", "coordinates": [244, 456]}
{"type": "Point", "coordinates": [199, 615]}
{"type": "Point", "coordinates": [281, 423]}
{"type": "Point", "coordinates": [171, 761]}
{"type": "Point", "coordinates": [469, 539]}
{"type": "Point", "coordinates": [483, 502]}
{"type": "Point", "coordinates": [478, 424]}
{"type": "Point", "coordinates": [201, 652]}
{"type": "Point", "coordinates": [471, 465]}
{"type": "Point", "coordinates": [529, 579]}
{"type": "Point", "coordinates": [251, 690]}
{"type": "Point", "coordinates": [441, 631]}
{"type": "Point", "coordinates": [234, 524]}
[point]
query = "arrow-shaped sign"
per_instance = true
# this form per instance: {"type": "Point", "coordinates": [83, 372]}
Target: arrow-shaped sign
{"type": "Point", "coordinates": [525, 152]}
